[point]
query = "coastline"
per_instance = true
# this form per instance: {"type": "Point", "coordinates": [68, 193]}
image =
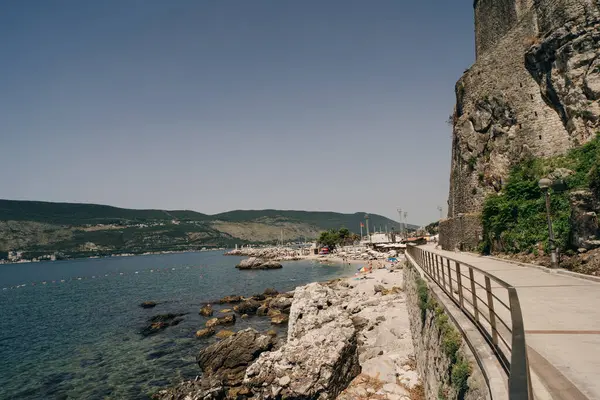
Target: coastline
{"type": "Point", "coordinates": [367, 312]}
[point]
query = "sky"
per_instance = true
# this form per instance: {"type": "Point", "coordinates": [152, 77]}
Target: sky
{"type": "Point", "coordinates": [324, 105]}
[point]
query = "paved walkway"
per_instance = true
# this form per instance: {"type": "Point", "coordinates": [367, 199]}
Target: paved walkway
{"type": "Point", "coordinates": [562, 323]}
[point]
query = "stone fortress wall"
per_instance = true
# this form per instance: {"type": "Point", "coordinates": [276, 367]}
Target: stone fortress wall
{"type": "Point", "coordinates": [534, 90]}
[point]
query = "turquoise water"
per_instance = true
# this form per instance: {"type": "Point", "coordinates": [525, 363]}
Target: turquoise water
{"type": "Point", "coordinates": [79, 339]}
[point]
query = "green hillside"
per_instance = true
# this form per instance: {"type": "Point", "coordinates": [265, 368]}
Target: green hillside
{"type": "Point", "coordinates": [85, 214]}
{"type": "Point", "coordinates": [74, 229]}
{"type": "Point", "coordinates": [321, 219]}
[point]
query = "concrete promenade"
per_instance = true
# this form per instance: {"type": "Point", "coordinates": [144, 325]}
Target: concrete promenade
{"type": "Point", "coordinates": [562, 324]}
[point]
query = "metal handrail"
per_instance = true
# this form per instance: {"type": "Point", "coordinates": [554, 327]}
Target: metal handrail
{"type": "Point", "coordinates": [514, 358]}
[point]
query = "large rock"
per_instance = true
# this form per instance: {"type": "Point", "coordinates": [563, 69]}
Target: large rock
{"type": "Point", "coordinates": [249, 263]}
{"type": "Point", "coordinates": [225, 362]}
{"type": "Point", "coordinates": [584, 221]}
{"type": "Point", "coordinates": [230, 299]}
{"type": "Point", "coordinates": [320, 357]}
{"type": "Point", "coordinates": [205, 332]}
{"type": "Point", "coordinates": [206, 311]}
{"type": "Point", "coordinates": [247, 307]}
{"type": "Point", "coordinates": [226, 320]}
{"type": "Point", "coordinates": [270, 292]}
{"type": "Point", "coordinates": [271, 265]}
{"type": "Point", "coordinates": [160, 322]}
{"type": "Point", "coordinates": [148, 304]}
{"type": "Point", "coordinates": [280, 303]}
{"type": "Point", "coordinates": [258, 263]}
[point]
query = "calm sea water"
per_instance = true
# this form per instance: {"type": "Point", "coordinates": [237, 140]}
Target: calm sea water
{"type": "Point", "coordinates": [79, 339]}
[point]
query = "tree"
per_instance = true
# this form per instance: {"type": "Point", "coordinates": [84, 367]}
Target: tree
{"type": "Point", "coordinates": [329, 238]}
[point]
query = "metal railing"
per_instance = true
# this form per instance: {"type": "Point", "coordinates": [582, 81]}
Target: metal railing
{"type": "Point", "coordinates": [492, 305]}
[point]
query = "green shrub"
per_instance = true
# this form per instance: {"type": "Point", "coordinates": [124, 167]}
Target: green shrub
{"type": "Point", "coordinates": [515, 220]}
{"type": "Point", "coordinates": [461, 371]}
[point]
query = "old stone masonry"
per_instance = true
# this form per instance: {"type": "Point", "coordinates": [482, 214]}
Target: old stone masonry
{"type": "Point", "coordinates": [534, 90]}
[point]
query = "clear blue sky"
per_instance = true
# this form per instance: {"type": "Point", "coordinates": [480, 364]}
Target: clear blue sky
{"type": "Point", "coordinates": [217, 105]}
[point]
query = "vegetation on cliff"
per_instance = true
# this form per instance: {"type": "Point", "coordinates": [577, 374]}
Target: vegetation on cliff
{"type": "Point", "coordinates": [514, 220]}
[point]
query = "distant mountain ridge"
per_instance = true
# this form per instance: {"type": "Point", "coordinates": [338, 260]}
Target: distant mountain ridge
{"type": "Point", "coordinates": [74, 228]}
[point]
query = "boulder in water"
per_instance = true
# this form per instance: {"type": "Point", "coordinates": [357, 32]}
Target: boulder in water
{"type": "Point", "coordinates": [270, 292]}
{"type": "Point", "coordinates": [205, 332]}
{"type": "Point", "coordinates": [148, 304]}
{"type": "Point", "coordinates": [160, 322]}
{"type": "Point", "coordinates": [247, 307]}
{"type": "Point", "coordinates": [258, 263]}
{"type": "Point", "coordinates": [230, 299]}
{"type": "Point", "coordinates": [226, 320]}
{"type": "Point", "coordinates": [279, 319]}
{"type": "Point", "coordinates": [206, 311]}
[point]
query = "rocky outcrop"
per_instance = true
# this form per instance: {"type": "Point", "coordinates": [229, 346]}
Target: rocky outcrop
{"type": "Point", "coordinates": [320, 357]}
{"type": "Point", "coordinates": [226, 320]}
{"type": "Point", "coordinates": [160, 322]}
{"type": "Point", "coordinates": [230, 299]}
{"type": "Point", "coordinates": [206, 332]}
{"type": "Point", "coordinates": [148, 304]}
{"type": "Point", "coordinates": [206, 311]}
{"type": "Point", "coordinates": [223, 365]}
{"type": "Point", "coordinates": [258, 263]}
{"type": "Point", "coordinates": [584, 221]}
{"type": "Point", "coordinates": [268, 253]}
{"type": "Point", "coordinates": [247, 307]}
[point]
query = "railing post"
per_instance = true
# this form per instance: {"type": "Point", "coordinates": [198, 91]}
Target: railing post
{"type": "Point", "coordinates": [490, 298]}
{"type": "Point", "coordinates": [442, 271]}
{"type": "Point", "coordinates": [437, 268]}
{"type": "Point", "coordinates": [450, 278]}
{"type": "Point", "coordinates": [474, 293]}
{"type": "Point", "coordinates": [429, 263]}
{"type": "Point", "coordinates": [459, 282]}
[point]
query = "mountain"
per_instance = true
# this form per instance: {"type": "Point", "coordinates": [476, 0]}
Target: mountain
{"type": "Point", "coordinates": [76, 229]}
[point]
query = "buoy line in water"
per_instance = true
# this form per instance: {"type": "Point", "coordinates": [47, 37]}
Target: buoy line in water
{"type": "Point", "coordinates": [55, 282]}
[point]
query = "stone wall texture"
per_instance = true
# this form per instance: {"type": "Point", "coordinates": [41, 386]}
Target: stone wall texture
{"type": "Point", "coordinates": [534, 91]}
{"type": "Point", "coordinates": [461, 233]}
{"type": "Point", "coordinates": [432, 363]}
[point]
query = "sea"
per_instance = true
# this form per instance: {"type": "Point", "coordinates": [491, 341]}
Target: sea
{"type": "Point", "coordinates": [71, 329]}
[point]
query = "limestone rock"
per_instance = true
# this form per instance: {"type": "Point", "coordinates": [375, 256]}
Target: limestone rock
{"type": "Point", "coordinates": [262, 310]}
{"type": "Point", "coordinates": [205, 332]}
{"type": "Point", "coordinates": [258, 263]}
{"type": "Point", "coordinates": [230, 299]}
{"type": "Point", "coordinates": [271, 265]}
{"type": "Point", "coordinates": [280, 303]}
{"type": "Point", "coordinates": [320, 356]}
{"type": "Point", "coordinates": [270, 292]}
{"type": "Point", "coordinates": [584, 221]}
{"type": "Point", "coordinates": [250, 263]}
{"type": "Point", "coordinates": [226, 320]}
{"type": "Point", "coordinates": [247, 307]}
{"type": "Point", "coordinates": [272, 312]}
{"type": "Point", "coordinates": [148, 304]}
{"type": "Point", "coordinates": [206, 311]}
{"type": "Point", "coordinates": [224, 334]}
{"type": "Point", "coordinates": [160, 322]}
{"type": "Point", "coordinates": [279, 319]}
{"type": "Point", "coordinates": [226, 361]}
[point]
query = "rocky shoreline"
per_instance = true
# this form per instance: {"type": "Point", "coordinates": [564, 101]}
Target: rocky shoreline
{"type": "Point", "coordinates": [347, 339]}
{"type": "Point", "coordinates": [270, 254]}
